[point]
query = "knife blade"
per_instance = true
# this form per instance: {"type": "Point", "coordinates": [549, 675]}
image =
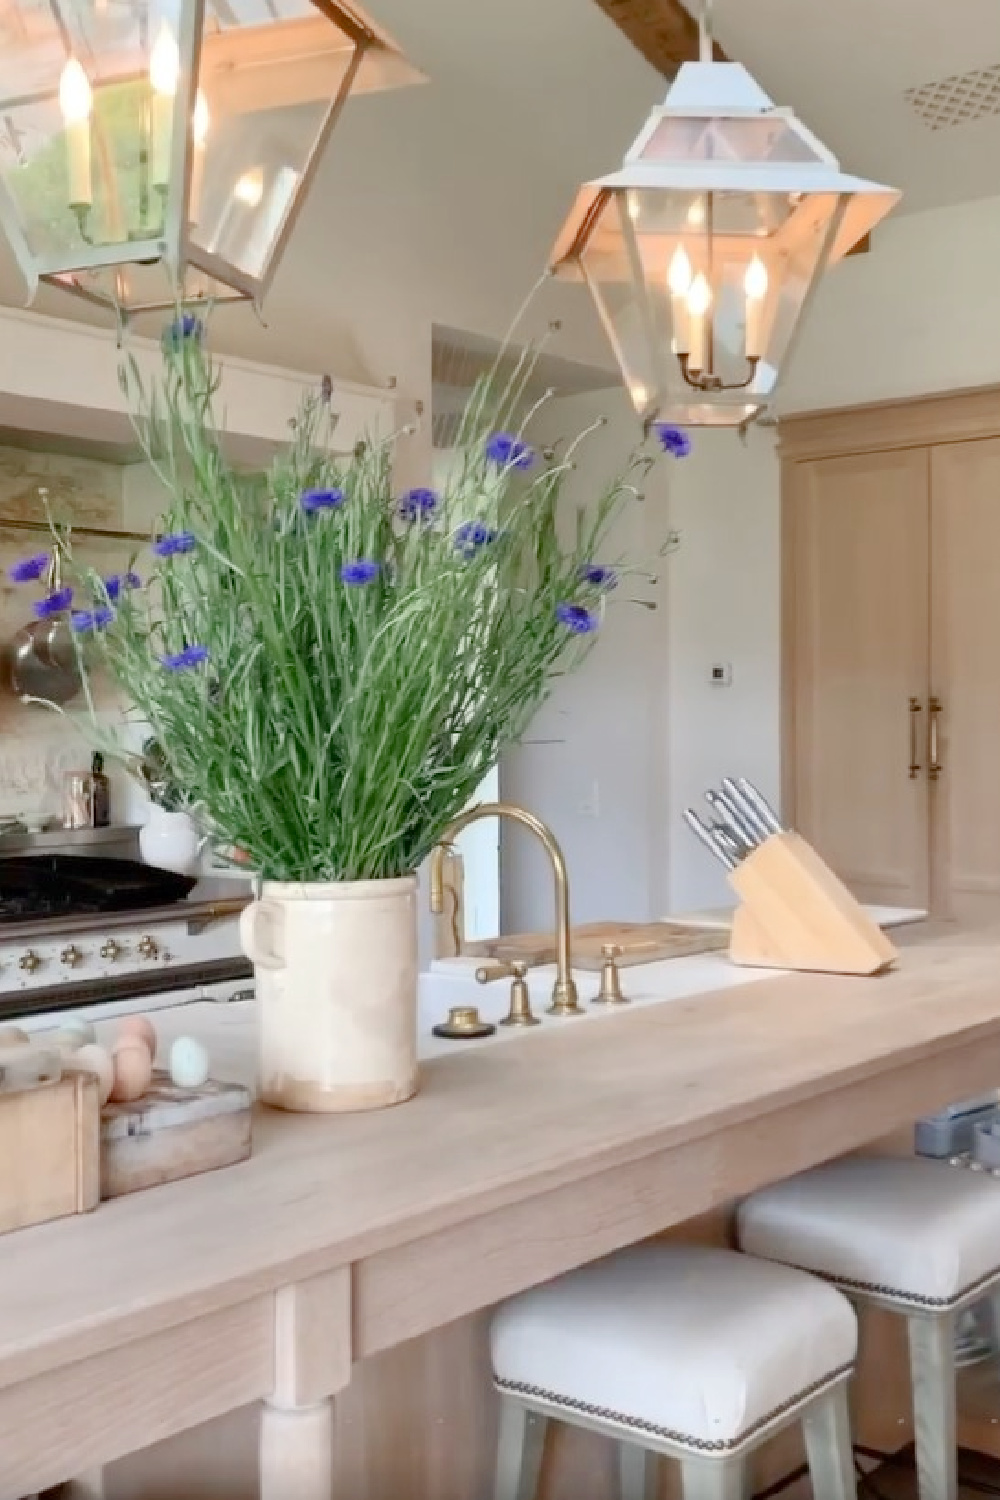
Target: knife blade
{"type": "Point", "coordinates": [703, 833]}
{"type": "Point", "coordinates": [762, 805]}
{"type": "Point", "coordinates": [732, 819]}
{"type": "Point", "coordinates": [747, 810]}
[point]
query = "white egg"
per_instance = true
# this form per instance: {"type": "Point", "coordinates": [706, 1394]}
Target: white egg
{"type": "Point", "coordinates": [188, 1063]}
{"type": "Point", "coordinates": [82, 1029]}
{"type": "Point", "coordinates": [93, 1059]}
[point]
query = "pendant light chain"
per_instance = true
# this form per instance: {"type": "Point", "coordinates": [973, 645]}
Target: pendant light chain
{"type": "Point", "coordinates": [706, 50]}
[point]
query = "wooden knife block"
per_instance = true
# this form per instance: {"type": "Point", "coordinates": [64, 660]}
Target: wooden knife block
{"type": "Point", "coordinates": [796, 914]}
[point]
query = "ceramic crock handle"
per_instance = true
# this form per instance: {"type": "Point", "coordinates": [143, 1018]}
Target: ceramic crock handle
{"type": "Point", "coordinates": [262, 931]}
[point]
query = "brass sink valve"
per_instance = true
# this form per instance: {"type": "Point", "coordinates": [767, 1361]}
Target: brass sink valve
{"type": "Point", "coordinates": [610, 992]}
{"type": "Point", "coordinates": [520, 1012]}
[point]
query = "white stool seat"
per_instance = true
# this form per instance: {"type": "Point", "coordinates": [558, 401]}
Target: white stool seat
{"type": "Point", "coordinates": [694, 1347]}
{"type": "Point", "coordinates": [898, 1228]}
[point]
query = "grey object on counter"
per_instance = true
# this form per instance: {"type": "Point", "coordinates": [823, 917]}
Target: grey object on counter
{"type": "Point", "coordinates": [707, 837]}
{"type": "Point", "coordinates": [748, 809]}
{"type": "Point", "coordinates": [943, 1136]}
{"type": "Point", "coordinates": [732, 819]}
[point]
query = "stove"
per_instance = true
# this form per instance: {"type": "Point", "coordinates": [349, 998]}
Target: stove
{"type": "Point", "coordinates": [105, 933]}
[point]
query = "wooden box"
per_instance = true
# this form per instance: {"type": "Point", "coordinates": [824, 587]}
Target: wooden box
{"type": "Point", "coordinates": [49, 1151]}
{"type": "Point", "coordinates": [171, 1133]}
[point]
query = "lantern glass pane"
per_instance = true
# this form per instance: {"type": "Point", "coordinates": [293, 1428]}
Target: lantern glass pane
{"type": "Point", "coordinates": [267, 81]}
{"type": "Point", "coordinates": [622, 304]}
{"type": "Point", "coordinates": [691, 139]}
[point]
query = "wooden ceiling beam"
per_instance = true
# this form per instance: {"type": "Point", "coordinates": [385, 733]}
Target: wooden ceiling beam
{"type": "Point", "coordinates": [664, 31]}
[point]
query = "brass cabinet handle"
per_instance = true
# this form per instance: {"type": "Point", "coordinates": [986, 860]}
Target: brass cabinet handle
{"type": "Point", "coordinates": [934, 766]}
{"type": "Point", "coordinates": [915, 711]}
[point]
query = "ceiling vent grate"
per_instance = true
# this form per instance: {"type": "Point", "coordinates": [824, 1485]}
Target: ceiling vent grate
{"type": "Point", "coordinates": [957, 100]}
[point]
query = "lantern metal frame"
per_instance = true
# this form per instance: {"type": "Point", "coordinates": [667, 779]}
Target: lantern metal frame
{"type": "Point", "coordinates": [373, 52]}
{"type": "Point", "coordinates": [709, 97]}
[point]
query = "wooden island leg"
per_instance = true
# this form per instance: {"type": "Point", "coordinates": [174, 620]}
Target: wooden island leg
{"type": "Point", "coordinates": [312, 1362]}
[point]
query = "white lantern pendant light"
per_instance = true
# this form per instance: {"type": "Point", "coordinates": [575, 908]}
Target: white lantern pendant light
{"type": "Point", "coordinates": [701, 253]}
{"type": "Point", "coordinates": [152, 150]}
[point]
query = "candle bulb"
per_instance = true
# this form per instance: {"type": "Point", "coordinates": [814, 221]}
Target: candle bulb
{"type": "Point", "coordinates": [755, 286]}
{"type": "Point", "coordinates": [76, 101]}
{"type": "Point", "coordinates": [699, 300]}
{"type": "Point", "coordinates": [679, 285]}
{"type": "Point", "coordinates": [200, 121]}
{"type": "Point", "coordinates": [164, 68]}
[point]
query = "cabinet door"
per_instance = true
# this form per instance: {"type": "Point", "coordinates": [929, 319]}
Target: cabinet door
{"type": "Point", "coordinates": [965, 677]}
{"type": "Point", "coordinates": [858, 618]}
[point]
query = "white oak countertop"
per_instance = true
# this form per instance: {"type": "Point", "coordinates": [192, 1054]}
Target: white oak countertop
{"type": "Point", "coordinates": [345, 1235]}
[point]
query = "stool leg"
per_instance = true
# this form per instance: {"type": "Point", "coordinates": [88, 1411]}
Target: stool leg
{"type": "Point", "coordinates": [932, 1371]}
{"type": "Point", "coordinates": [826, 1427]}
{"type": "Point", "coordinates": [638, 1472]}
{"type": "Point", "coordinates": [520, 1445]}
{"type": "Point", "coordinates": [714, 1478]}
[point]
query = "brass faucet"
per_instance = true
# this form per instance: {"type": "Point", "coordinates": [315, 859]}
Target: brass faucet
{"type": "Point", "coordinates": [564, 998]}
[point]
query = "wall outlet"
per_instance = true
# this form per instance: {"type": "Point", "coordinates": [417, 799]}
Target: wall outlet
{"type": "Point", "coordinates": [720, 674]}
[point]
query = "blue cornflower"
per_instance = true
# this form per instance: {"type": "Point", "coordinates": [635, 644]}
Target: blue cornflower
{"type": "Point", "coordinates": [117, 581]}
{"type": "Point", "coordinates": [84, 620]}
{"type": "Point", "coordinates": [472, 535]}
{"type": "Point", "coordinates": [180, 661]}
{"type": "Point", "coordinates": [174, 543]}
{"type": "Point", "coordinates": [599, 576]}
{"type": "Point", "coordinates": [673, 440]}
{"type": "Point", "coordinates": [509, 452]}
{"type": "Point", "coordinates": [53, 604]}
{"type": "Point", "coordinates": [312, 501]}
{"type": "Point", "coordinates": [418, 504]}
{"type": "Point", "coordinates": [576, 618]}
{"type": "Point", "coordinates": [360, 572]}
{"type": "Point", "coordinates": [29, 568]}
{"type": "Point", "coordinates": [187, 326]}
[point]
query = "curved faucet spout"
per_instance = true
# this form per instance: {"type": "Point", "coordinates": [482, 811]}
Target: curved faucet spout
{"type": "Point", "coordinates": [564, 996]}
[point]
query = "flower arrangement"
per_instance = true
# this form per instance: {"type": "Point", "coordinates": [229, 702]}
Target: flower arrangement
{"type": "Point", "coordinates": [329, 668]}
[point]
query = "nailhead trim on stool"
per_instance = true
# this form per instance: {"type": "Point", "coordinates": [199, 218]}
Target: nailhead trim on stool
{"type": "Point", "coordinates": [641, 1428]}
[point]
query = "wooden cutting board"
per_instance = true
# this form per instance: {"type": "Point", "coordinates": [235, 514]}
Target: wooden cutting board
{"type": "Point", "coordinates": [640, 942]}
{"type": "Point", "coordinates": [171, 1133]}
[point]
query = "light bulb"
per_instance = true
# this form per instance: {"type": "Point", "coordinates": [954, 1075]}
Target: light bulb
{"type": "Point", "coordinates": [699, 297]}
{"type": "Point", "coordinates": [680, 273]}
{"type": "Point", "coordinates": [696, 213]}
{"type": "Point", "coordinates": [634, 207]}
{"type": "Point", "coordinates": [76, 98]}
{"type": "Point", "coordinates": [755, 281]}
{"type": "Point", "coordinates": [249, 188]}
{"type": "Point", "coordinates": [200, 120]}
{"type": "Point", "coordinates": [164, 63]}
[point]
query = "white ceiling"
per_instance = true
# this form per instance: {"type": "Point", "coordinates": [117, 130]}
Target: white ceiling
{"type": "Point", "coordinates": [845, 66]}
{"type": "Point", "coordinates": [439, 204]}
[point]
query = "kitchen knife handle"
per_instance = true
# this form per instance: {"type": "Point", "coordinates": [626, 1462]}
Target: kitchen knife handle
{"type": "Point", "coordinates": [915, 711]}
{"type": "Point", "coordinates": [934, 766]}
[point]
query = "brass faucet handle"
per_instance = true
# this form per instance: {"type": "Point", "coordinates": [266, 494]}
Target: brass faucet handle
{"type": "Point", "coordinates": [494, 970]}
{"type": "Point", "coordinates": [610, 992]}
{"type": "Point", "coordinates": [520, 1013]}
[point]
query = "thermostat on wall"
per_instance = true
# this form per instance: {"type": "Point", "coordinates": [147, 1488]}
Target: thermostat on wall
{"type": "Point", "coordinates": [721, 674]}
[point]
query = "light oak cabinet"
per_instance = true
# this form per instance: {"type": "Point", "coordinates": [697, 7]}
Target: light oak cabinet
{"type": "Point", "coordinates": [891, 683]}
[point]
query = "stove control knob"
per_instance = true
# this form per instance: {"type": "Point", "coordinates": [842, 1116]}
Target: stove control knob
{"type": "Point", "coordinates": [29, 962]}
{"type": "Point", "coordinates": [70, 957]}
{"type": "Point", "coordinates": [111, 950]}
{"type": "Point", "coordinates": [148, 947]}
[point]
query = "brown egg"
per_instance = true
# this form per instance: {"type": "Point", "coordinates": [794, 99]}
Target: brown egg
{"type": "Point", "coordinates": [13, 1036]}
{"type": "Point", "coordinates": [142, 1027]}
{"type": "Point", "coordinates": [133, 1068]}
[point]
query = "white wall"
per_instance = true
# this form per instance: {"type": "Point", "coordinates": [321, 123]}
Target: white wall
{"type": "Point", "coordinates": [593, 764]}
{"type": "Point", "coordinates": [920, 314]}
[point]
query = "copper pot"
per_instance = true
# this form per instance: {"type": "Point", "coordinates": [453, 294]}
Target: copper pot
{"type": "Point", "coordinates": [42, 655]}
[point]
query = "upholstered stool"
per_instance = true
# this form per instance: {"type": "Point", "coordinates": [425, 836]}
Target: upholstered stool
{"type": "Point", "coordinates": [694, 1353]}
{"type": "Point", "coordinates": [917, 1237]}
